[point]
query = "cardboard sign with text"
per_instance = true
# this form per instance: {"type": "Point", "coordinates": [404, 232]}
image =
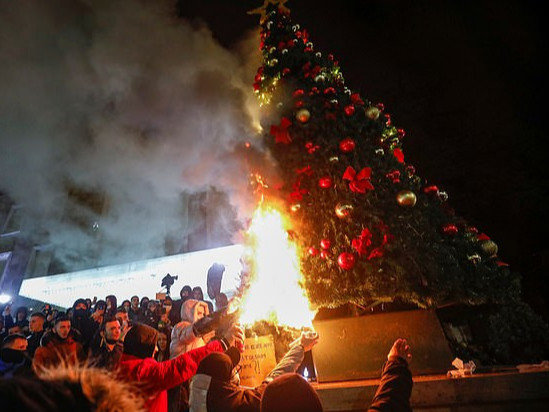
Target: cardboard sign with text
{"type": "Point", "coordinates": [257, 360]}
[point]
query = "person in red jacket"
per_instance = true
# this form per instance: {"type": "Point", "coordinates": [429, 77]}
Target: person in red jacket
{"type": "Point", "coordinates": [155, 378]}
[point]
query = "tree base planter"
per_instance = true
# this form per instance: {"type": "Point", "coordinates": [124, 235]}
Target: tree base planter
{"type": "Point", "coordinates": [356, 348]}
{"type": "Point", "coordinates": [510, 391]}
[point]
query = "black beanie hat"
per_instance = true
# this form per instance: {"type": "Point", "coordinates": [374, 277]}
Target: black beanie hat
{"type": "Point", "coordinates": [220, 365]}
{"type": "Point", "coordinates": [290, 393]}
{"type": "Point", "coordinates": [140, 341]}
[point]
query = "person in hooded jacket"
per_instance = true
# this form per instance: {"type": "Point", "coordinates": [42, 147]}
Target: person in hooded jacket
{"type": "Point", "coordinates": [184, 338]}
{"type": "Point", "coordinates": [82, 322]}
{"type": "Point", "coordinates": [21, 315]}
{"type": "Point", "coordinates": [184, 294]}
{"type": "Point", "coordinates": [184, 335]}
{"type": "Point", "coordinates": [155, 378]}
{"type": "Point", "coordinates": [14, 360]}
{"type": "Point", "coordinates": [199, 295]}
{"type": "Point", "coordinates": [215, 387]}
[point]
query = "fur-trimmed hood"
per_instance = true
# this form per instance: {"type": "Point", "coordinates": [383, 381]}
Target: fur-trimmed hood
{"type": "Point", "coordinates": [68, 387]}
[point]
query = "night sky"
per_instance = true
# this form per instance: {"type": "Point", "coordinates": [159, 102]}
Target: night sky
{"type": "Point", "coordinates": [466, 80]}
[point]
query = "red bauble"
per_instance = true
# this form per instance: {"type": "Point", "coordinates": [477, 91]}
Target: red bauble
{"type": "Point", "coordinates": [324, 254]}
{"type": "Point", "coordinates": [347, 145]}
{"type": "Point", "coordinates": [450, 229]}
{"type": "Point", "coordinates": [325, 182]}
{"type": "Point", "coordinates": [313, 251]}
{"type": "Point", "coordinates": [349, 110]}
{"type": "Point", "coordinates": [325, 244]}
{"type": "Point", "coordinates": [298, 93]}
{"type": "Point", "coordinates": [401, 133]}
{"type": "Point", "coordinates": [346, 261]}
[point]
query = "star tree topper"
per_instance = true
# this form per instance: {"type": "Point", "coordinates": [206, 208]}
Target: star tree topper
{"type": "Point", "coordinates": [262, 10]}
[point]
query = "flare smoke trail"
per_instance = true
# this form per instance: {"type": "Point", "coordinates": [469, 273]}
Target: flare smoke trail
{"type": "Point", "coordinates": [121, 98]}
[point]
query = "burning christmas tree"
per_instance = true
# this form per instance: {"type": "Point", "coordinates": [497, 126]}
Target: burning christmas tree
{"type": "Point", "coordinates": [368, 227]}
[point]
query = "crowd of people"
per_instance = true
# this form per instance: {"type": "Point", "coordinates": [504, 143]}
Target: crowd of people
{"type": "Point", "coordinates": [156, 355]}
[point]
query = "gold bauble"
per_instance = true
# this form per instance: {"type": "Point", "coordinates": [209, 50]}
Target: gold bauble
{"type": "Point", "coordinates": [489, 247]}
{"type": "Point", "coordinates": [372, 112]}
{"type": "Point", "coordinates": [343, 210]}
{"type": "Point", "coordinates": [406, 198]}
{"type": "Point", "coordinates": [303, 115]}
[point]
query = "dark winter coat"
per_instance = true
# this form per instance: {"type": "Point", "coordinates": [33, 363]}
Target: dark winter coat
{"type": "Point", "coordinates": [218, 394]}
{"type": "Point", "coordinates": [86, 326]}
{"type": "Point", "coordinates": [102, 357]}
{"type": "Point", "coordinates": [150, 319]}
{"type": "Point", "coordinates": [395, 388]}
{"type": "Point", "coordinates": [13, 363]}
{"type": "Point", "coordinates": [34, 342]}
{"type": "Point", "coordinates": [136, 316]}
{"type": "Point", "coordinates": [213, 391]}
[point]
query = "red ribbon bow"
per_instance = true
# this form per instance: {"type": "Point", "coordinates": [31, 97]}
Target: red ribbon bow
{"type": "Point", "coordinates": [297, 194]}
{"type": "Point", "coordinates": [363, 242]}
{"type": "Point", "coordinates": [281, 133]}
{"type": "Point", "coordinates": [399, 155]}
{"type": "Point", "coordinates": [311, 147]}
{"type": "Point", "coordinates": [359, 182]}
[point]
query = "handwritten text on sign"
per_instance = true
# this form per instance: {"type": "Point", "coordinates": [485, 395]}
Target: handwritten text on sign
{"type": "Point", "coordinates": [257, 360]}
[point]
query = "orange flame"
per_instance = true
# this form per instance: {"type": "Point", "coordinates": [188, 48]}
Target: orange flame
{"type": "Point", "coordinates": [274, 293]}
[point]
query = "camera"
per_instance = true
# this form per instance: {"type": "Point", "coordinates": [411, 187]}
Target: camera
{"type": "Point", "coordinates": [168, 281]}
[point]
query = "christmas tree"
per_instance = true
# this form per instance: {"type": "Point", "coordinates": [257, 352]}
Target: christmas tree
{"type": "Point", "coordinates": [370, 229]}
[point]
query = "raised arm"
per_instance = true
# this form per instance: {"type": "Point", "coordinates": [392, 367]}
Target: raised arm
{"type": "Point", "coordinates": [168, 374]}
{"type": "Point", "coordinates": [293, 358]}
{"type": "Point", "coordinates": [395, 388]}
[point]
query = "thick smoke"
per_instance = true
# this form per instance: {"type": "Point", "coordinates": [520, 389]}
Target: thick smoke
{"type": "Point", "coordinates": [120, 98]}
